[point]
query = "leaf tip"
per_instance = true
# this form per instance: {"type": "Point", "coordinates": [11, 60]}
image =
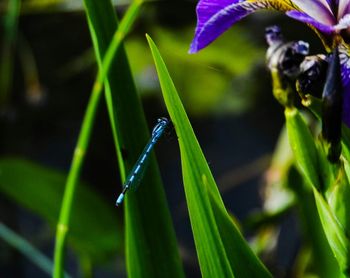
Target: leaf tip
{"type": "Point", "coordinates": [149, 39]}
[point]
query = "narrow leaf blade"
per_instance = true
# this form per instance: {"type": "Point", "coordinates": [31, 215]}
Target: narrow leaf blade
{"type": "Point", "coordinates": [303, 146]}
{"type": "Point", "coordinates": [334, 232]}
{"type": "Point", "coordinates": [221, 249]}
{"type": "Point", "coordinates": [151, 247]}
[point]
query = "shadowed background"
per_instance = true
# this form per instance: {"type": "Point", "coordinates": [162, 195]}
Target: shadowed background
{"type": "Point", "coordinates": [50, 68]}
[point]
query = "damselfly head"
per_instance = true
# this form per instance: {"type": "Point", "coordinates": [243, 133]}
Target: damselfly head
{"type": "Point", "coordinates": [160, 126]}
{"type": "Point", "coordinates": [163, 120]}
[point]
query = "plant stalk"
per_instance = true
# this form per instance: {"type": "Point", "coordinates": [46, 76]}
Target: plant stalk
{"type": "Point", "coordinates": [84, 138]}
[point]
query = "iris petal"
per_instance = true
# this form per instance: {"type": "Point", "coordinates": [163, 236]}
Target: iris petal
{"type": "Point", "coordinates": [303, 17]}
{"type": "Point", "coordinates": [216, 16]}
{"type": "Point", "coordinates": [343, 8]}
{"type": "Point", "coordinates": [317, 9]}
{"type": "Point", "coordinates": [344, 23]}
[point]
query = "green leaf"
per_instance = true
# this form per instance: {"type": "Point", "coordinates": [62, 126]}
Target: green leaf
{"type": "Point", "coordinates": [86, 129]}
{"type": "Point", "coordinates": [151, 246]}
{"type": "Point", "coordinates": [339, 200]}
{"type": "Point", "coordinates": [315, 105]}
{"type": "Point", "coordinates": [334, 232]}
{"type": "Point", "coordinates": [327, 171]}
{"type": "Point", "coordinates": [94, 229]}
{"type": "Point", "coordinates": [346, 142]}
{"type": "Point", "coordinates": [303, 146]}
{"type": "Point", "coordinates": [309, 162]}
{"type": "Point", "coordinates": [325, 264]}
{"type": "Point", "coordinates": [221, 249]}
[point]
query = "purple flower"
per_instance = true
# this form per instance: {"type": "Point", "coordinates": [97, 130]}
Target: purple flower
{"type": "Point", "coordinates": [329, 18]}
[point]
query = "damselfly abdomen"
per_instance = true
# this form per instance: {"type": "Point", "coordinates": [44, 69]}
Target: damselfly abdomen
{"type": "Point", "coordinates": [138, 170]}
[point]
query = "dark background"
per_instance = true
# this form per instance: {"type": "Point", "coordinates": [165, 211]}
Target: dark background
{"type": "Point", "coordinates": [46, 131]}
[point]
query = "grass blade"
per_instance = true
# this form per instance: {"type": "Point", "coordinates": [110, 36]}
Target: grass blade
{"type": "Point", "coordinates": [83, 142]}
{"type": "Point", "coordinates": [221, 249]}
{"type": "Point", "coordinates": [151, 247]}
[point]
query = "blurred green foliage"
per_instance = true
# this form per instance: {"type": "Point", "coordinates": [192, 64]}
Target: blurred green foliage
{"type": "Point", "coordinates": [95, 230]}
{"type": "Point", "coordinates": [212, 81]}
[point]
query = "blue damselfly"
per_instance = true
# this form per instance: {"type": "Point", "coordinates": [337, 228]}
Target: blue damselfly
{"type": "Point", "coordinates": [138, 170]}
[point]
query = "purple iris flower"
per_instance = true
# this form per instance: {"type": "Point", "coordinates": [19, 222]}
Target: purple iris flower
{"type": "Point", "coordinates": [329, 18]}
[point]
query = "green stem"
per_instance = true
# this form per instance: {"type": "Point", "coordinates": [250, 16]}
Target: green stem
{"type": "Point", "coordinates": [84, 138]}
{"type": "Point", "coordinates": [72, 180]}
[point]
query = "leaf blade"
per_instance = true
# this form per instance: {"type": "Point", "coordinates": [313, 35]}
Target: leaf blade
{"type": "Point", "coordinates": [151, 247]}
{"type": "Point", "coordinates": [209, 219]}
